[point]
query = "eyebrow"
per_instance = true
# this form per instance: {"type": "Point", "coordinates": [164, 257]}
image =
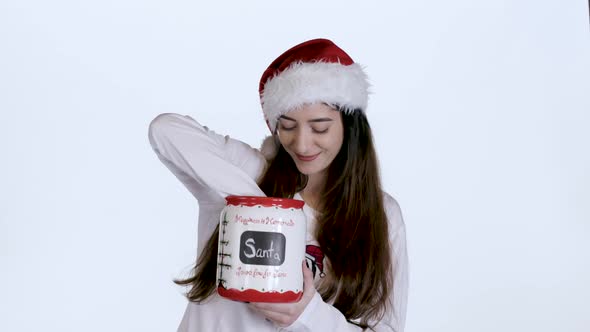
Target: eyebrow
{"type": "Point", "coordinates": [312, 120]}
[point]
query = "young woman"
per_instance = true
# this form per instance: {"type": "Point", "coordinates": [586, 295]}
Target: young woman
{"type": "Point", "coordinates": [314, 99]}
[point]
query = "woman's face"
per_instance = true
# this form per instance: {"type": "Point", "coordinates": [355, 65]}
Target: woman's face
{"type": "Point", "coordinates": [312, 135]}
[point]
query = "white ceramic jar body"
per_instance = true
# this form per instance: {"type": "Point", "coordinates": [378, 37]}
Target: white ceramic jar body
{"type": "Point", "coordinates": [261, 249]}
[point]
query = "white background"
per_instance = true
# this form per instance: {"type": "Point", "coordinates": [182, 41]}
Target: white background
{"type": "Point", "coordinates": [480, 112]}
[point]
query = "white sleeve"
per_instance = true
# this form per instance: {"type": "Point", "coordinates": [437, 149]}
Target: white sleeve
{"type": "Point", "coordinates": [320, 316]}
{"type": "Point", "coordinates": [396, 318]}
{"type": "Point", "coordinates": [211, 166]}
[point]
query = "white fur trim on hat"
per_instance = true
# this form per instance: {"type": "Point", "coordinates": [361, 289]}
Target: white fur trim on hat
{"type": "Point", "coordinates": [311, 82]}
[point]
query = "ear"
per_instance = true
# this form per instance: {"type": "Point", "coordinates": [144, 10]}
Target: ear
{"type": "Point", "coordinates": [270, 147]}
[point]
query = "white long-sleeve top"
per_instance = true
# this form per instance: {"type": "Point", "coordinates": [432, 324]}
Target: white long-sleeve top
{"type": "Point", "coordinates": [213, 166]}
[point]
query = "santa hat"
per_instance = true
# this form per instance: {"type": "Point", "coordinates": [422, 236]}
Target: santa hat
{"type": "Point", "coordinates": [314, 71]}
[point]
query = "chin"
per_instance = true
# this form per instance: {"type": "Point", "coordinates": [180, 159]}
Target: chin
{"type": "Point", "coordinates": [309, 170]}
{"type": "Point", "coordinates": [305, 171]}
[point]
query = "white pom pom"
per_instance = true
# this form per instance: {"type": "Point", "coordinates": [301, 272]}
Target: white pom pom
{"type": "Point", "coordinates": [269, 147]}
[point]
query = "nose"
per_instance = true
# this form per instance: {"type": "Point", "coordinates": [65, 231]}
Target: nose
{"type": "Point", "coordinates": [302, 141]}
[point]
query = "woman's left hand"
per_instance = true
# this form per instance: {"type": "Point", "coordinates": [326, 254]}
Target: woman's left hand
{"type": "Point", "coordinates": [285, 314]}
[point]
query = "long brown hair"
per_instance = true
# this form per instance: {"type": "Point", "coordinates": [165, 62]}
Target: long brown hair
{"type": "Point", "coordinates": [352, 227]}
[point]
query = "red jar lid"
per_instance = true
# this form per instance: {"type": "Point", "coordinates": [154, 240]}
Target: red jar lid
{"type": "Point", "coordinates": [285, 203]}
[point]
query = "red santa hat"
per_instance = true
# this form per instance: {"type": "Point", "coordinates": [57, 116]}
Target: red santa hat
{"type": "Point", "coordinates": [313, 71]}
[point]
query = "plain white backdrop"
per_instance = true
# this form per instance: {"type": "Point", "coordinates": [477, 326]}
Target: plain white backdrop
{"type": "Point", "coordinates": [480, 111]}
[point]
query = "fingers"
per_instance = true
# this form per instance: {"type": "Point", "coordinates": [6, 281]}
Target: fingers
{"type": "Point", "coordinates": [307, 277]}
{"type": "Point", "coordinates": [284, 314]}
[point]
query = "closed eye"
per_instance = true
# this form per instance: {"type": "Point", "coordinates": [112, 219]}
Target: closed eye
{"type": "Point", "coordinates": [285, 128]}
{"type": "Point", "coordinates": [320, 131]}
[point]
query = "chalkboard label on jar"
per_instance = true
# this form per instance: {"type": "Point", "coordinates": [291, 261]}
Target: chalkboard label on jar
{"type": "Point", "coordinates": [262, 248]}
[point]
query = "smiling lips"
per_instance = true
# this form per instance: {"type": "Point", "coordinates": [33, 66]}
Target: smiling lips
{"type": "Point", "coordinates": [307, 158]}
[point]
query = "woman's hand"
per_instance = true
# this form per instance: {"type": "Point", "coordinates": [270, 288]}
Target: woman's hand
{"type": "Point", "coordinates": [285, 314]}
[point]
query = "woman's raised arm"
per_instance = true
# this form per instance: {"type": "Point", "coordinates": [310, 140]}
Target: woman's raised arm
{"type": "Point", "coordinates": [211, 166]}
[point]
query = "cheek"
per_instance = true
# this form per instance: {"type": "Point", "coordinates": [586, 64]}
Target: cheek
{"type": "Point", "coordinates": [285, 139]}
{"type": "Point", "coordinates": [334, 142]}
